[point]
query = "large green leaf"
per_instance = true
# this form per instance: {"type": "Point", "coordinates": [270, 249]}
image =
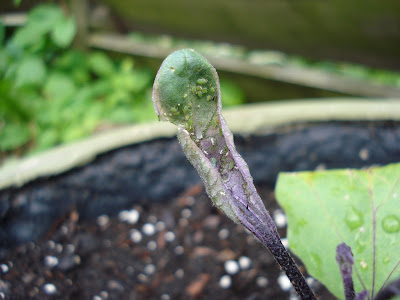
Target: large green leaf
{"type": "Point", "coordinates": [358, 207]}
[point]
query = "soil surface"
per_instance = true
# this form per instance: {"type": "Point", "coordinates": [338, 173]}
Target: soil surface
{"type": "Point", "coordinates": [182, 249]}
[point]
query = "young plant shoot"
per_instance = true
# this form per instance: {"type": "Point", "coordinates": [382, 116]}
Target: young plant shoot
{"type": "Point", "coordinates": [186, 93]}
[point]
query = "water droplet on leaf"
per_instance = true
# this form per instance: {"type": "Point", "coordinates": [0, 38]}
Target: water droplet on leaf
{"type": "Point", "coordinates": [362, 239]}
{"type": "Point", "coordinates": [354, 219]}
{"type": "Point", "coordinates": [386, 260]}
{"type": "Point", "coordinates": [363, 265]}
{"type": "Point", "coordinates": [391, 224]}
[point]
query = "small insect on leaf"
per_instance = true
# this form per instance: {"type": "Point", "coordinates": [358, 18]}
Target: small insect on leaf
{"type": "Point", "coordinates": [202, 81]}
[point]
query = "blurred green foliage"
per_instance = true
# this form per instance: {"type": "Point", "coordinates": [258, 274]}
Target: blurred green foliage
{"type": "Point", "coordinates": [51, 93]}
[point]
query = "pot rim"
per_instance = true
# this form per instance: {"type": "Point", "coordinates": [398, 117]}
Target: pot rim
{"type": "Point", "coordinates": [254, 119]}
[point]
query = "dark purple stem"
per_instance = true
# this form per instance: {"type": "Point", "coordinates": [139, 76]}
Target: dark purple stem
{"type": "Point", "coordinates": [289, 267]}
{"type": "Point", "coordinates": [390, 291]}
{"type": "Point", "coordinates": [266, 232]}
{"type": "Point", "coordinates": [187, 93]}
{"type": "Point", "coordinates": [345, 260]}
{"type": "Point", "coordinates": [361, 295]}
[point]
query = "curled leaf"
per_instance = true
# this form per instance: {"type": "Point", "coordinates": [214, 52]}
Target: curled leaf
{"type": "Point", "coordinates": [186, 92]}
{"type": "Point", "coordinates": [181, 95]}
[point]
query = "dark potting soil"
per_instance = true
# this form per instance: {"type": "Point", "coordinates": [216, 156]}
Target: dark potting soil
{"type": "Point", "coordinates": [181, 249]}
{"type": "Point", "coordinates": [54, 245]}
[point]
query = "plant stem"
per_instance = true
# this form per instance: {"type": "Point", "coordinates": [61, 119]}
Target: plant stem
{"type": "Point", "coordinates": [287, 263]}
{"type": "Point", "coordinates": [208, 144]}
{"type": "Point", "coordinates": [271, 240]}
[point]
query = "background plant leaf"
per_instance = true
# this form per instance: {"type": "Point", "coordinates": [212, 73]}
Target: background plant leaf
{"type": "Point", "coordinates": [58, 86]}
{"type": "Point", "coordinates": [31, 71]}
{"type": "Point", "coordinates": [101, 65]}
{"type": "Point", "coordinates": [41, 20]}
{"type": "Point", "coordinates": [13, 135]}
{"type": "Point", "coordinates": [2, 34]}
{"type": "Point", "coordinates": [64, 32]}
{"type": "Point", "coordinates": [325, 208]}
{"type": "Point", "coordinates": [17, 2]}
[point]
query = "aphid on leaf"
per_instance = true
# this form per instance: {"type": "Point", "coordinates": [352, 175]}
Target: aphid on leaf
{"type": "Point", "coordinates": [201, 81]}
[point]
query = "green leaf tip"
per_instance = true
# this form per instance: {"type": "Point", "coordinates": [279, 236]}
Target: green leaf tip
{"type": "Point", "coordinates": [186, 91]}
